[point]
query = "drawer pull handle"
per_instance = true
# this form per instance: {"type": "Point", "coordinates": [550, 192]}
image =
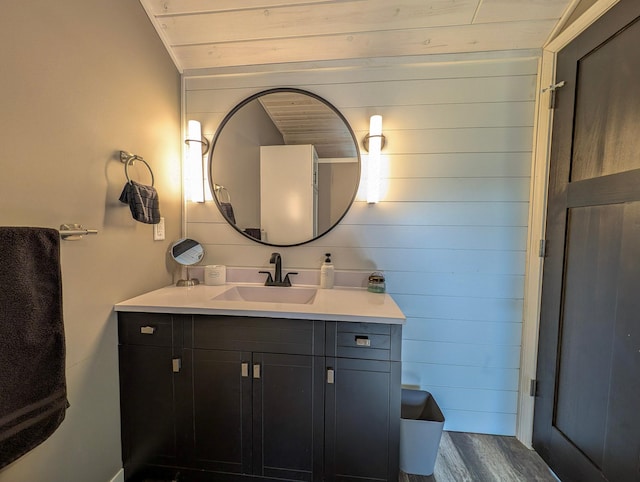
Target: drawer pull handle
{"type": "Point", "coordinates": [176, 365]}
{"type": "Point", "coordinates": [363, 341]}
{"type": "Point", "coordinates": [331, 376]}
{"type": "Point", "coordinates": [147, 330]}
{"type": "Point", "coordinates": [244, 370]}
{"type": "Point", "coordinates": [256, 370]}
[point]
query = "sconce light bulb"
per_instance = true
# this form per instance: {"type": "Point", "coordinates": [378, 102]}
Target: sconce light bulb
{"type": "Point", "coordinates": [375, 125]}
{"type": "Point", "coordinates": [373, 170]}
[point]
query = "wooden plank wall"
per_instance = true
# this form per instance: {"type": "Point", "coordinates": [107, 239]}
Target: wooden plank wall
{"type": "Point", "coordinates": [450, 233]}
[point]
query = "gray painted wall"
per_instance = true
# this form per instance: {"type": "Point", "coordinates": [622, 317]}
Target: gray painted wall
{"type": "Point", "coordinates": [82, 79]}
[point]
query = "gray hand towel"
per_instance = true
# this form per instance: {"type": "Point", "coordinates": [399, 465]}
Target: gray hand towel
{"type": "Point", "coordinates": [33, 393]}
{"type": "Point", "coordinates": [227, 211]}
{"type": "Point", "coordinates": [143, 202]}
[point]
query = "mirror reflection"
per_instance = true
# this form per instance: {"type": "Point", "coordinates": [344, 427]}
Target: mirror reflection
{"type": "Point", "coordinates": [187, 252]}
{"type": "Point", "coordinates": [284, 167]}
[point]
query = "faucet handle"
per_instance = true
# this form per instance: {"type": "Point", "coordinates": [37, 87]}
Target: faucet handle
{"type": "Point", "coordinates": [287, 281]}
{"type": "Point", "coordinates": [269, 280]}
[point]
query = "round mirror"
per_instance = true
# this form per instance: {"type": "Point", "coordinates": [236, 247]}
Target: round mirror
{"type": "Point", "coordinates": [284, 167]}
{"type": "Point", "coordinates": [187, 252]}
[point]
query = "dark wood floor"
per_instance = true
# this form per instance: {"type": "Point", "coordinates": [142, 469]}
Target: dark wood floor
{"type": "Point", "coordinates": [466, 457]}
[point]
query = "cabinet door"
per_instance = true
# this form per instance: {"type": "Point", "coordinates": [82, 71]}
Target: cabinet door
{"type": "Point", "coordinates": [221, 410]}
{"type": "Point", "coordinates": [288, 416]}
{"type": "Point", "coordinates": [362, 420]}
{"type": "Point", "coordinates": [147, 406]}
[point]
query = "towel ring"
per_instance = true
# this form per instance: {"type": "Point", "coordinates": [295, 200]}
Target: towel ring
{"type": "Point", "coordinates": [128, 159]}
{"type": "Point", "coordinates": [221, 189]}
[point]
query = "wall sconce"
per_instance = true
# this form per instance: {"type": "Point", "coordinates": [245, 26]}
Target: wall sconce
{"type": "Point", "coordinates": [373, 143]}
{"type": "Point", "coordinates": [197, 148]}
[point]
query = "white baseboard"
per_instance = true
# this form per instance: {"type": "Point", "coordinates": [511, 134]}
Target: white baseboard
{"type": "Point", "coordinates": [119, 477]}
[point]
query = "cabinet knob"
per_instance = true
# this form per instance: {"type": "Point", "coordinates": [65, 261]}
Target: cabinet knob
{"type": "Point", "coordinates": [147, 330]}
{"type": "Point", "coordinates": [330, 375]}
{"type": "Point", "coordinates": [176, 365]}
{"type": "Point", "coordinates": [363, 341]}
{"type": "Point", "coordinates": [244, 370]}
{"type": "Point", "coordinates": [256, 370]}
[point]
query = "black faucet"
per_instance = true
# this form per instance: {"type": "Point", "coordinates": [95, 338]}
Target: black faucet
{"type": "Point", "coordinates": [277, 280]}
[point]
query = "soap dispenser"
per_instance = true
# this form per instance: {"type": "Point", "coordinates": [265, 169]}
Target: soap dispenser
{"type": "Point", "coordinates": [326, 273]}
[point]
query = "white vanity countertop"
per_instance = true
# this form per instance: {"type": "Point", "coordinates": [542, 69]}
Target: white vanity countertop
{"type": "Point", "coordinates": [337, 304]}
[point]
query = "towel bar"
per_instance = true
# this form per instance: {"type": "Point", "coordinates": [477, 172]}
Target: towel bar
{"type": "Point", "coordinates": [74, 232]}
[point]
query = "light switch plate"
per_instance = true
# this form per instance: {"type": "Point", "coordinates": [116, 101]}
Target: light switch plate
{"type": "Point", "coordinates": [158, 230]}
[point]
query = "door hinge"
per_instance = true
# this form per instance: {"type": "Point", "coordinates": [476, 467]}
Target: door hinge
{"type": "Point", "coordinates": [542, 251]}
{"type": "Point", "coordinates": [533, 387]}
{"type": "Point", "coordinates": [552, 93]}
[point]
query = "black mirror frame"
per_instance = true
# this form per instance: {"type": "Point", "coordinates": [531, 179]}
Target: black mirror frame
{"type": "Point", "coordinates": [245, 102]}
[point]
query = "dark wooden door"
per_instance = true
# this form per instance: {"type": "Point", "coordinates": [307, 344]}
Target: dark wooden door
{"type": "Point", "coordinates": [587, 412]}
{"type": "Point", "coordinates": [288, 415]}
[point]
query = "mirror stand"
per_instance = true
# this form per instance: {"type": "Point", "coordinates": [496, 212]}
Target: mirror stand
{"type": "Point", "coordinates": [189, 281]}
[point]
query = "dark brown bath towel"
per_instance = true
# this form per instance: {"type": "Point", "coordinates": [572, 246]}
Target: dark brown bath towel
{"type": "Point", "coordinates": [33, 394]}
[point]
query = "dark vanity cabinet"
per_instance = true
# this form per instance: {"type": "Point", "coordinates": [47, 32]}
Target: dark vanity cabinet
{"type": "Point", "coordinates": [239, 398]}
{"type": "Point", "coordinates": [254, 396]}
{"type": "Point", "coordinates": [362, 411]}
{"type": "Point", "coordinates": [148, 387]}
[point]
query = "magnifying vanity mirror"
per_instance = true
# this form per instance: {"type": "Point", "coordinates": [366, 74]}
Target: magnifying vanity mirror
{"type": "Point", "coordinates": [284, 167]}
{"type": "Point", "coordinates": [187, 252]}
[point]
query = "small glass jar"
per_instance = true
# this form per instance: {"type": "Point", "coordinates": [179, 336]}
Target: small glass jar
{"type": "Point", "coordinates": [376, 283]}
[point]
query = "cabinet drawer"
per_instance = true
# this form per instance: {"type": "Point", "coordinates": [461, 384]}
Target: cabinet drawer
{"type": "Point", "coordinates": [367, 341]}
{"type": "Point", "coordinates": [269, 335]}
{"type": "Point", "coordinates": [363, 340]}
{"type": "Point", "coordinates": [145, 329]}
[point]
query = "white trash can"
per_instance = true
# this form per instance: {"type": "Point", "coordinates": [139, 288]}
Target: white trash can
{"type": "Point", "coordinates": [421, 426]}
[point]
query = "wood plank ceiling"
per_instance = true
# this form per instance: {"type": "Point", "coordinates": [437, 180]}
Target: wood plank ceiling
{"type": "Point", "coordinates": [305, 120]}
{"type": "Point", "coordinates": [202, 34]}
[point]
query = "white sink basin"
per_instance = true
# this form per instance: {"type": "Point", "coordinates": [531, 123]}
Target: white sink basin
{"type": "Point", "coordinates": [269, 294]}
